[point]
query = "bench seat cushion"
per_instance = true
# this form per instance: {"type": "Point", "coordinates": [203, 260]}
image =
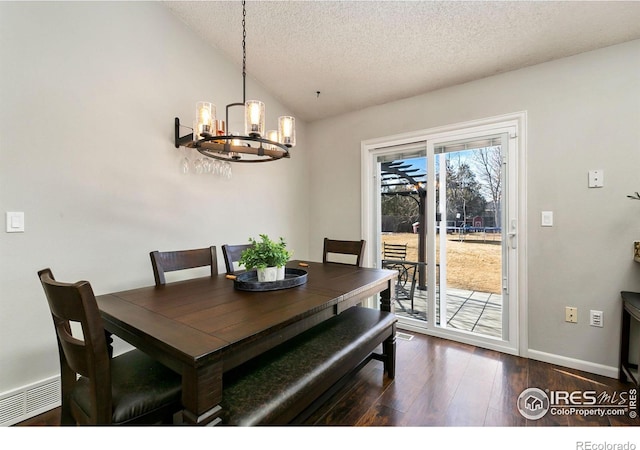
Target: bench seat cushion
{"type": "Point", "coordinates": [278, 385]}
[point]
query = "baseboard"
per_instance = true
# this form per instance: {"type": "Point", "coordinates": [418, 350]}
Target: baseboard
{"type": "Point", "coordinates": [551, 358]}
{"type": "Point", "coordinates": [586, 366]}
{"type": "Point", "coordinates": [29, 401]}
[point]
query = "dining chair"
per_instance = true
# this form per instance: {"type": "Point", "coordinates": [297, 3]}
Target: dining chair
{"type": "Point", "coordinates": [232, 255]}
{"type": "Point", "coordinates": [337, 247]}
{"type": "Point", "coordinates": [163, 262]}
{"type": "Point", "coordinates": [131, 388]}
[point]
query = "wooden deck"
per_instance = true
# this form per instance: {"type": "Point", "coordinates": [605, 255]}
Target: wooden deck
{"type": "Point", "coordinates": [478, 312]}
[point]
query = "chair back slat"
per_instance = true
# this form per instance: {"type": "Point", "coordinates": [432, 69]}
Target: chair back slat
{"type": "Point", "coordinates": [171, 261]}
{"type": "Point", "coordinates": [394, 251]}
{"type": "Point", "coordinates": [232, 255]}
{"type": "Point", "coordinates": [339, 247]}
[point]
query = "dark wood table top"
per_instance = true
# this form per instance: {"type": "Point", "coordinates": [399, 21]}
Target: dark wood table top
{"type": "Point", "coordinates": [203, 321]}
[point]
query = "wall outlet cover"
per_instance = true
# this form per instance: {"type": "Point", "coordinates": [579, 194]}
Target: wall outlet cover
{"type": "Point", "coordinates": [571, 314]}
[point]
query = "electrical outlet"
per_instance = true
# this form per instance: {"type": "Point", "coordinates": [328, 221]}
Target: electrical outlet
{"type": "Point", "coordinates": [571, 314]}
{"type": "Point", "coordinates": [596, 319]}
{"type": "Point", "coordinates": [596, 178]}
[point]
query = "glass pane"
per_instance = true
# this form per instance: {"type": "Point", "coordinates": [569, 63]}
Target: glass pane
{"type": "Point", "coordinates": [403, 180]}
{"type": "Point", "coordinates": [469, 253]}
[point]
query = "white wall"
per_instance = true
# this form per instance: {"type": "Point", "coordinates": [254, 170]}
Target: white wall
{"type": "Point", "coordinates": [583, 113]}
{"type": "Point", "coordinates": [88, 96]}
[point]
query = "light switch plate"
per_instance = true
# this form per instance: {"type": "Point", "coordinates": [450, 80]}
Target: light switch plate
{"type": "Point", "coordinates": [15, 222]}
{"type": "Point", "coordinates": [546, 219]}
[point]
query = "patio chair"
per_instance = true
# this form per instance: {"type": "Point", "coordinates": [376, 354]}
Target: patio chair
{"type": "Point", "coordinates": [394, 258]}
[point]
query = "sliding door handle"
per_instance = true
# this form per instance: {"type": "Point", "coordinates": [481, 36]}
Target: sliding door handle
{"type": "Point", "coordinates": [513, 234]}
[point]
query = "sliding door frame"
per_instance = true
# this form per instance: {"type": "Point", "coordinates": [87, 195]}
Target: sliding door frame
{"type": "Point", "coordinates": [515, 125]}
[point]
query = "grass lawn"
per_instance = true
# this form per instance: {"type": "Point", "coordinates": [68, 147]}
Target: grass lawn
{"type": "Point", "coordinates": [473, 263]}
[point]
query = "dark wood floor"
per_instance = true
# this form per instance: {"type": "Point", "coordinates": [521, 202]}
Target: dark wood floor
{"type": "Point", "coordinates": [444, 383]}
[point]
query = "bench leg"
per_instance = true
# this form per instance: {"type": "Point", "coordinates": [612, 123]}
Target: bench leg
{"type": "Point", "coordinates": [389, 351]}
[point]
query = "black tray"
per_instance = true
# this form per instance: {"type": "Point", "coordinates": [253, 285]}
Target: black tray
{"type": "Point", "coordinates": [248, 281]}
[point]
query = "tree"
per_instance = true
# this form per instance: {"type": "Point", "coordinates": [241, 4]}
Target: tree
{"type": "Point", "coordinates": [463, 193]}
{"type": "Point", "coordinates": [488, 164]}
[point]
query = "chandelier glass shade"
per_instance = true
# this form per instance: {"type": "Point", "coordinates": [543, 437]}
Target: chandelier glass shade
{"type": "Point", "coordinates": [211, 138]}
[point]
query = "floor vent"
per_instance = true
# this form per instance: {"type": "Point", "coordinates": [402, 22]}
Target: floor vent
{"type": "Point", "coordinates": [403, 336]}
{"type": "Point", "coordinates": [29, 401]}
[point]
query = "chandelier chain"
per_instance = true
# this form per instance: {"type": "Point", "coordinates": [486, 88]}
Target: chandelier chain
{"type": "Point", "coordinates": [244, 51]}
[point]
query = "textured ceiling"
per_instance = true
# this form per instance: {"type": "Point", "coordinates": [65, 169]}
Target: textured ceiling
{"type": "Point", "coordinates": [364, 53]}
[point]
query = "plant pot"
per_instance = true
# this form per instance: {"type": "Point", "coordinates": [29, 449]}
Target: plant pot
{"type": "Point", "coordinates": [280, 273]}
{"type": "Point", "coordinates": [267, 274]}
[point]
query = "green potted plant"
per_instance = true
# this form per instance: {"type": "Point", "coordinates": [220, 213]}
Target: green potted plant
{"type": "Point", "coordinates": [267, 257]}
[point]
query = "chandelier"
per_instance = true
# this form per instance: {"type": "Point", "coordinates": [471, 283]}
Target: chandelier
{"type": "Point", "coordinates": [211, 138]}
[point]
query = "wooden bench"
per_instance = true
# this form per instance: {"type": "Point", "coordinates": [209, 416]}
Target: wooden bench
{"type": "Point", "coordinates": [287, 383]}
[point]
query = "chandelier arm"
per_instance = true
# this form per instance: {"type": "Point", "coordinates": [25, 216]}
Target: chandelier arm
{"type": "Point", "coordinates": [230, 105]}
{"type": "Point", "coordinates": [180, 140]}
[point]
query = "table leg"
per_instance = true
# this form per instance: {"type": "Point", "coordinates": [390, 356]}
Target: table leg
{"type": "Point", "coordinates": [386, 297]}
{"type": "Point", "coordinates": [202, 394]}
{"type": "Point", "coordinates": [109, 338]}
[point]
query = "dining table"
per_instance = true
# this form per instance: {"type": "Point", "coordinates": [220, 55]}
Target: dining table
{"type": "Point", "coordinates": [203, 327]}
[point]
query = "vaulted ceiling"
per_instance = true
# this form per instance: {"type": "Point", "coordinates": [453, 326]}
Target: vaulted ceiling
{"type": "Point", "coordinates": [363, 53]}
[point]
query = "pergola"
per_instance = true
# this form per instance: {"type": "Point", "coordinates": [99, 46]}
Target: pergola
{"type": "Point", "coordinates": [401, 173]}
